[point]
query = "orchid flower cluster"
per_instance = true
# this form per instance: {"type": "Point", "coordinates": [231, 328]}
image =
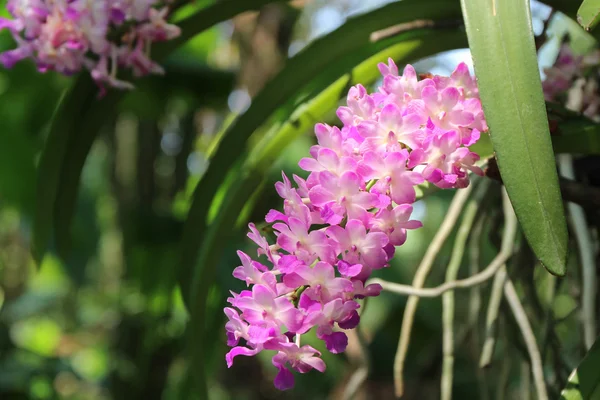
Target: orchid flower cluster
{"type": "Point", "coordinates": [344, 221]}
{"type": "Point", "coordinates": [573, 80]}
{"type": "Point", "coordinates": [98, 35]}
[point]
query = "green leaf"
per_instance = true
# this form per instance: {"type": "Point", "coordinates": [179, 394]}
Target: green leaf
{"type": "Point", "coordinates": [501, 41]}
{"type": "Point", "coordinates": [64, 124]}
{"type": "Point", "coordinates": [76, 125]}
{"type": "Point", "coordinates": [323, 54]}
{"type": "Point", "coordinates": [206, 18]}
{"type": "Point", "coordinates": [570, 8]}
{"type": "Point", "coordinates": [584, 381]}
{"type": "Point", "coordinates": [588, 14]}
{"type": "Point", "coordinates": [17, 153]}
{"type": "Point", "coordinates": [81, 137]}
{"type": "Point", "coordinates": [578, 138]}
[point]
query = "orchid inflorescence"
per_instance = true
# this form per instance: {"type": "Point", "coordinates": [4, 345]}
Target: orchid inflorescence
{"type": "Point", "coordinates": [98, 35]}
{"type": "Point", "coordinates": [344, 221]}
{"type": "Point", "coordinates": [573, 81]}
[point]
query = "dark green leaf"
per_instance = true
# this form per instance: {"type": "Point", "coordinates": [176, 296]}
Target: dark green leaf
{"type": "Point", "coordinates": [17, 153]}
{"type": "Point", "coordinates": [581, 138]}
{"type": "Point", "coordinates": [501, 41]}
{"type": "Point", "coordinates": [82, 136]}
{"type": "Point", "coordinates": [76, 100]}
{"type": "Point", "coordinates": [584, 381]}
{"type": "Point", "coordinates": [568, 7]}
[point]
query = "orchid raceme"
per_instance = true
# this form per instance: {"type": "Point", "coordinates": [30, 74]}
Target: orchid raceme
{"type": "Point", "coordinates": [573, 81]}
{"type": "Point", "coordinates": [344, 221]}
{"type": "Point", "coordinates": [101, 36]}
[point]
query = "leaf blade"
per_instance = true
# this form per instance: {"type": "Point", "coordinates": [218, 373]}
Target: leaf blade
{"type": "Point", "coordinates": [584, 381]}
{"type": "Point", "coordinates": [588, 14]}
{"type": "Point", "coordinates": [501, 40]}
{"type": "Point", "coordinates": [61, 133]}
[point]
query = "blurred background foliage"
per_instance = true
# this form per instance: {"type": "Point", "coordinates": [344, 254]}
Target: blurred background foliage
{"type": "Point", "coordinates": [108, 320]}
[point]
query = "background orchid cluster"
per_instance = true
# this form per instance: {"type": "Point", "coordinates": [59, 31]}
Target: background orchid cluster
{"type": "Point", "coordinates": [344, 221]}
{"type": "Point", "coordinates": [98, 35]}
{"type": "Point", "coordinates": [573, 81]}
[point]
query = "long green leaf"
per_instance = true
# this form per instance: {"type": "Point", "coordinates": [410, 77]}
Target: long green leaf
{"type": "Point", "coordinates": [319, 56]}
{"type": "Point", "coordinates": [206, 18]}
{"type": "Point", "coordinates": [501, 41]}
{"type": "Point", "coordinates": [584, 381]}
{"type": "Point", "coordinates": [82, 137]}
{"type": "Point", "coordinates": [588, 14]}
{"type": "Point", "coordinates": [64, 126]}
{"type": "Point", "coordinates": [250, 174]}
{"type": "Point", "coordinates": [76, 125]}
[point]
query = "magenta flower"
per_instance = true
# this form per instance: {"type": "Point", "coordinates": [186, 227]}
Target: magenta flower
{"type": "Point", "coordinates": [443, 162]}
{"type": "Point", "coordinates": [442, 107]}
{"type": "Point", "coordinates": [395, 222]}
{"type": "Point", "coordinates": [400, 89]}
{"type": "Point", "coordinates": [360, 106]}
{"type": "Point", "coordinates": [253, 272]}
{"type": "Point", "coordinates": [391, 130]}
{"type": "Point", "coordinates": [336, 311]}
{"type": "Point", "coordinates": [307, 246]}
{"type": "Point", "coordinates": [460, 78]}
{"type": "Point", "coordinates": [321, 281]}
{"type": "Point", "coordinates": [392, 175]}
{"type": "Point", "coordinates": [262, 306]}
{"type": "Point", "coordinates": [328, 160]}
{"type": "Point", "coordinates": [342, 197]}
{"type": "Point", "coordinates": [301, 359]}
{"type": "Point", "coordinates": [357, 246]}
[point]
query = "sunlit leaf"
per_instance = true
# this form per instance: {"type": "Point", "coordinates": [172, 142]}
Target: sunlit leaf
{"type": "Point", "coordinates": [501, 41]}
{"type": "Point", "coordinates": [571, 9]}
{"type": "Point", "coordinates": [588, 14]}
{"type": "Point", "coordinates": [40, 335]}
